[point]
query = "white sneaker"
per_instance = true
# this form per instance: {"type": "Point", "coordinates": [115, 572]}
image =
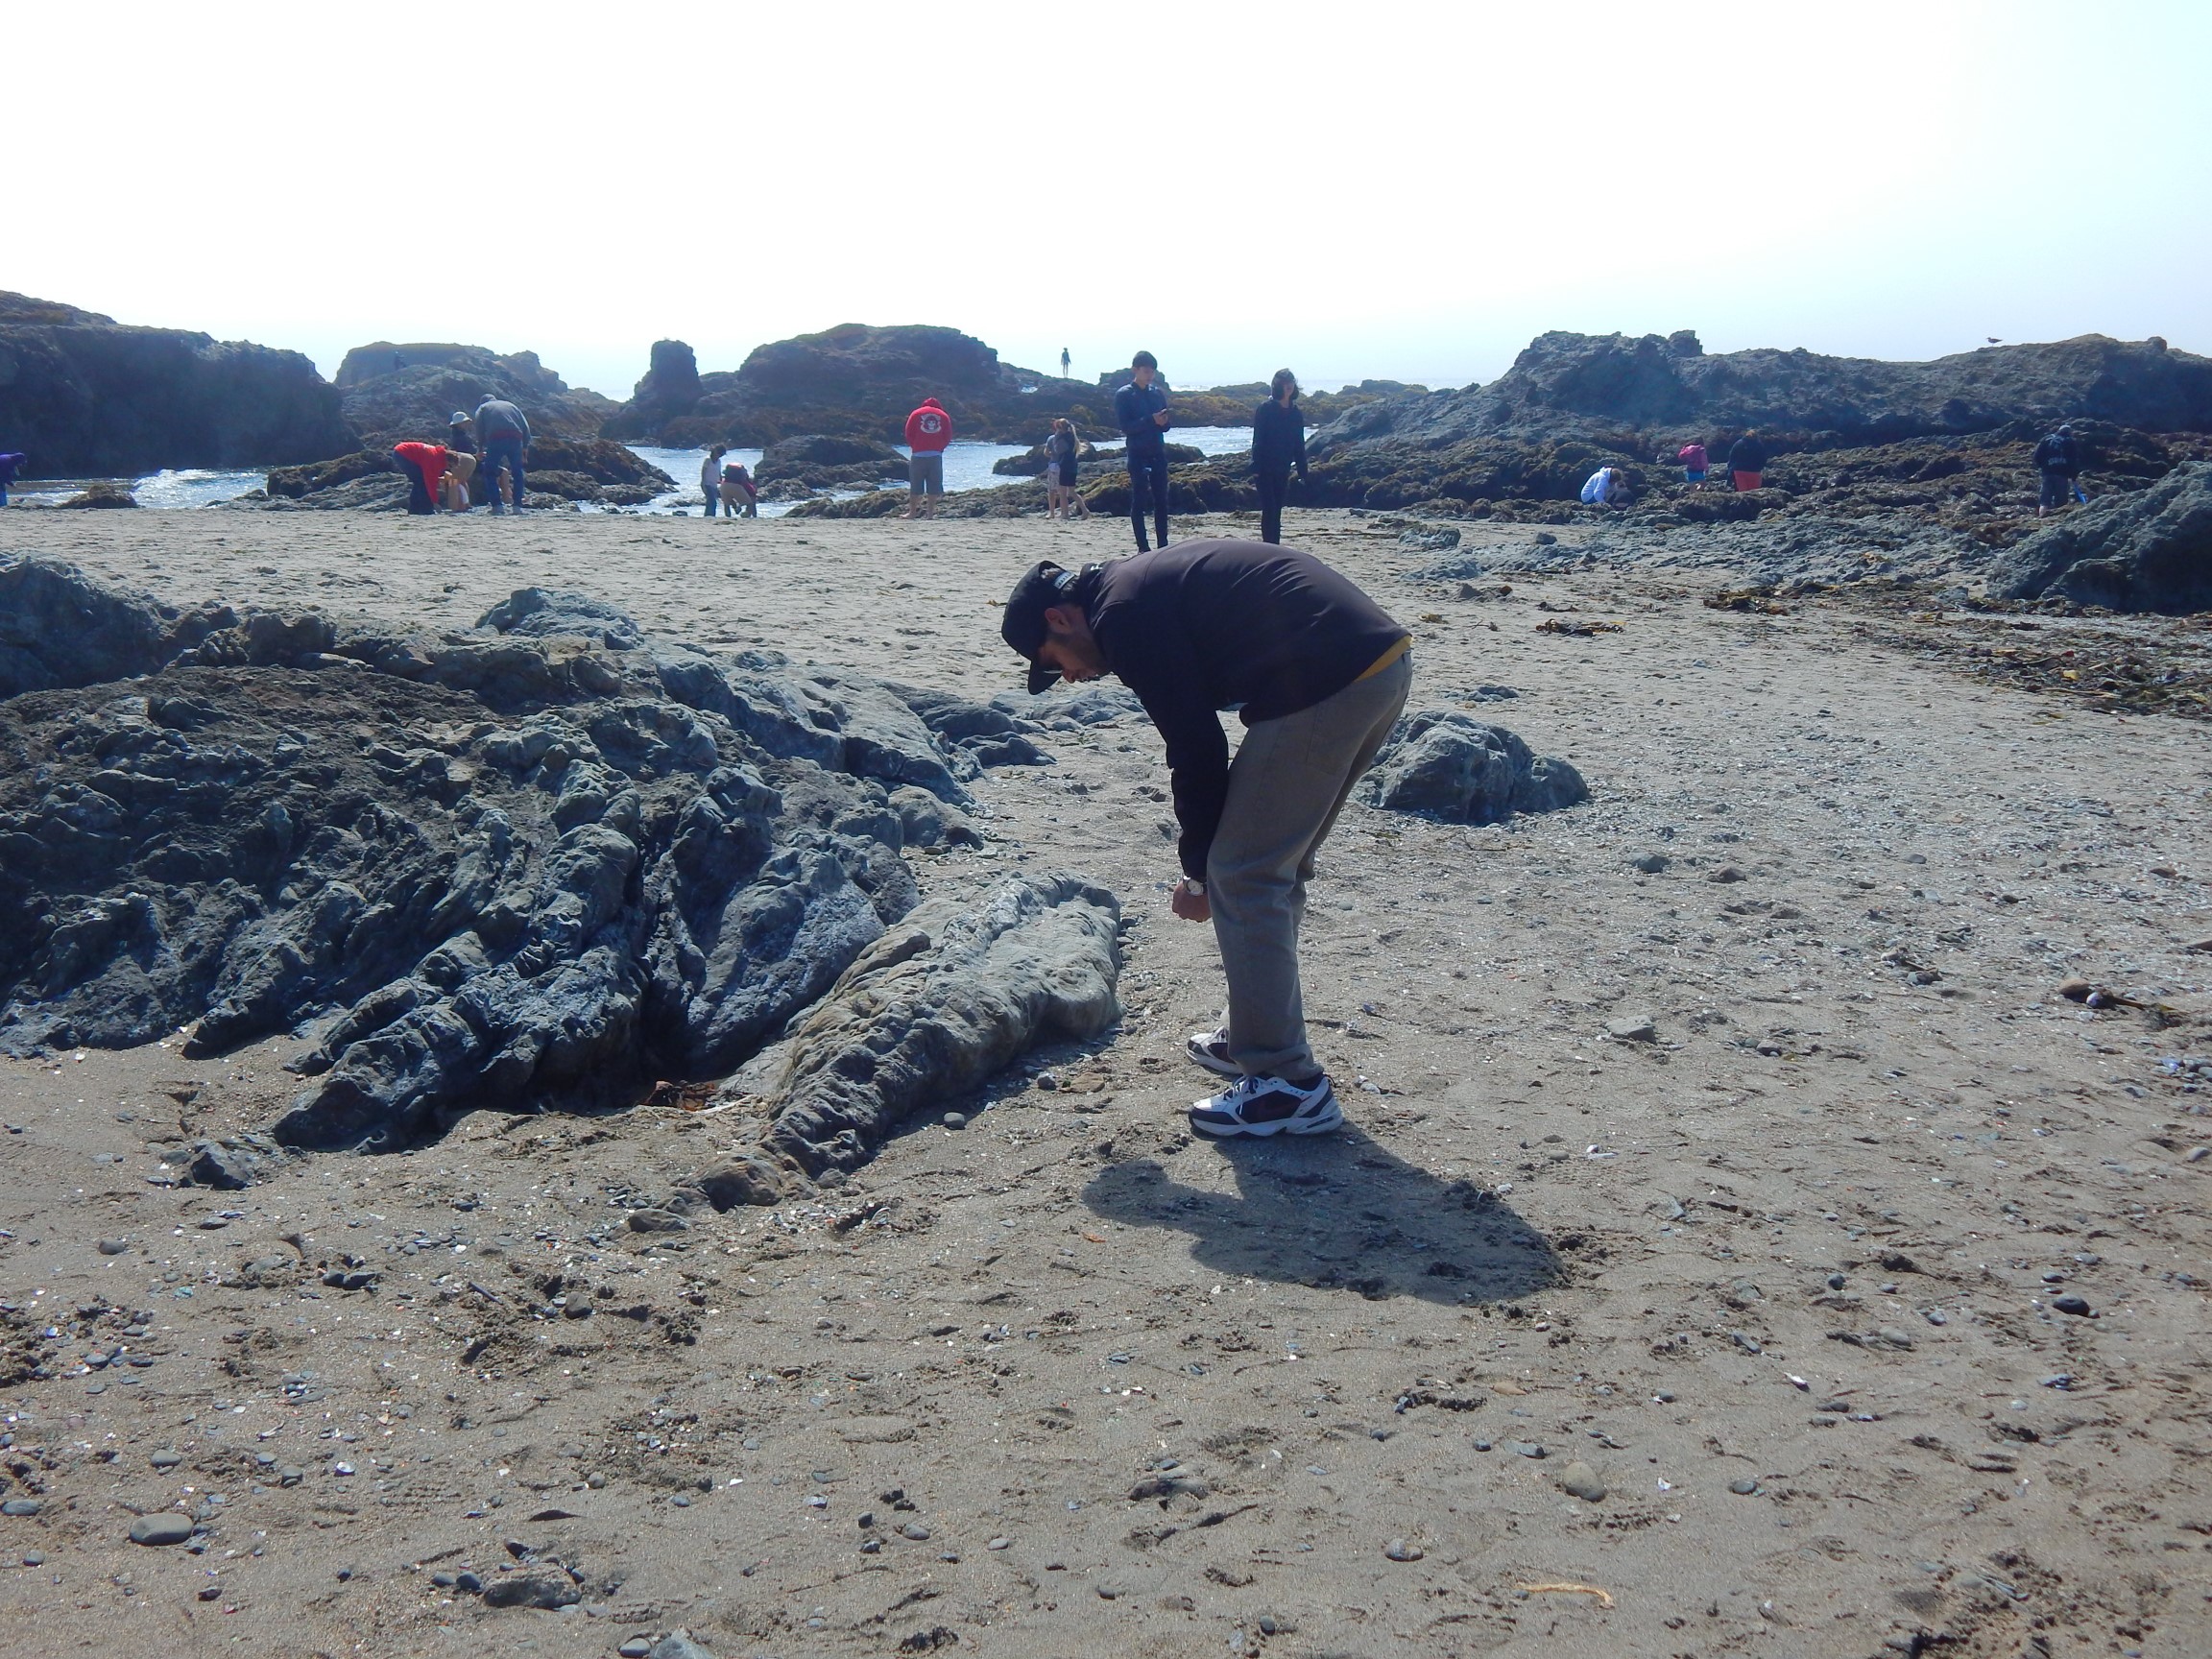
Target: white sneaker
{"type": "Point", "coordinates": [1211, 1050]}
{"type": "Point", "coordinates": [1267, 1106]}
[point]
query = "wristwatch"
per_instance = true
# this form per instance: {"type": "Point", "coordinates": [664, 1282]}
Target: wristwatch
{"type": "Point", "coordinates": [1196, 888]}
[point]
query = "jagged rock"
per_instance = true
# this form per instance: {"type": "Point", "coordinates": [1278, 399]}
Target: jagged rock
{"type": "Point", "coordinates": [564, 468]}
{"type": "Point", "coordinates": [542, 860]}
{"type": "Point", "coordinates": [103, 495]}
{"type": "Point", "coordinates": [934, 1006]}
{"type": "Point", "coordinates": [668, 391]}
{"type": "Point", "coordinates": [822, 462]}
{"type": "Point", "coordinates": [394, 392]}
{"type": "Point", "coordinates": [928, 822]}
{"type": "Point", "coordinates": [88, 396]}
{"type": "Point", "coordinates": [2146, 551]}
{"type": "Point", "coordinates": [1466, 771]}
{"type": "Point", "coordinates": [59, 628]}
{"type": "Point", "coordinates": [992, 734]}
{"type": "Point", "coordinates": [232, 1163]}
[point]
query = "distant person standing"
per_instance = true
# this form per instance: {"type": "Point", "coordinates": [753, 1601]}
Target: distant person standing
{"type": "Point", "coordinates": [1277, 446]}
{"type": "Point", "coordinates": [1141, 411]}
{"type": "Point", "coordinates": [10, 465]}
{"type": "Point", "coordinates": [424, 465]}
{"type": "Point", "coordinates": [1695, 464]}
{"type": "Point", "coordinates": [1747, 462]}
{"type": "Point", "coordinates": [2058, 461]}
{"type": "Point", "coordinates": [505, 434]}
{"type": "Point", "coordinates": [1065, 362]}
{"type": "Point", "coordinates": [928, 429]}
{"type": "Point", "coordinates": [1062, 452]}
{"type": "Point", "coordinates": [710, 480]}
{"type": "Point", "coordinates": [740, 495]}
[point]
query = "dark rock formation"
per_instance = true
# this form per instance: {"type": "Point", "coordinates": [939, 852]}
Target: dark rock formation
{"type": "Point", "coordinates": [2151, 550]}
{"type": "Point", "coordinates": [392, 394]}
{"type": "Point", "coordinates": [929, 1011]}
{"type": "Point", "coordinates": [1463, 770]}
{"type": "Point", "coordinates": [82, 395]}
{"type": "Point", "coordinates": [668, 392]}
{"type": "Point", "coordinates": [852, 380]}
{"type": "Point", "coordinates": [543, 860]}
{"type": "Point", "coordinates": [824, 462]}
{"type": "Point", "coordinates": [572, 468]}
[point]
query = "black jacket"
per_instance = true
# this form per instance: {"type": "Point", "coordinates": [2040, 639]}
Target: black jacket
{"type": "Point", "coordinates": [1204, 626]}
{"type": "Point", "coordinates": [1746, 455]}
{"type": "Point", "coordinates": [2056, 453]}
{"type": "Point", "coordinates": [1278, 441]}
{"type": "Point", "coordinates": [1134, 407]}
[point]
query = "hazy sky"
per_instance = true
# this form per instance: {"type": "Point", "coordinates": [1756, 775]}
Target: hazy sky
{"type": "Point", "coordinates": [1411, 191]}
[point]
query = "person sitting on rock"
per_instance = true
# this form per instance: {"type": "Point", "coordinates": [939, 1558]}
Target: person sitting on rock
{"type": "Point", "coordinates": [710, 480]}
{"type": "Point", "coordinates": [424, 467]}
{"type": "Point", "coordinates": [10, 464]}
{"type": "Point", "coordinates": [1747, 462]}
{"type": "Point", "coordinates": [2058, 461]}
{"type": "Point", "coordinates": [1607, 487]}
{"type": "Point", "coordinates": [740, 495]}
{"type": "Point", "coordinates": [1695, 464]}
{"type": "Point", "coordinates": [928, 429]}
{"type": "Point", "coordinates": [1320, 675]}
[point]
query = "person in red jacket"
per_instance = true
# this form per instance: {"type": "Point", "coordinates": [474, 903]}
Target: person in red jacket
{"type": "Point", "coordinates": [928, 429]}
{"type": "Point", "coordinates": [424, 465]}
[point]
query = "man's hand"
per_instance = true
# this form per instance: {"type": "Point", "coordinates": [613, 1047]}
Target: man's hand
{"type": "Point", "coordinates": [1190, 906]}
{"type": "Point", "coordinates": [1160, 419]}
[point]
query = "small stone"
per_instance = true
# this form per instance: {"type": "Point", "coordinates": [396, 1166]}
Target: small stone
{"type": "Point", "coordinates": [290, 1475]}
{"type": "Point", "coordinates": [1743, 1487]}
{"type": "Point", "coordinates": [1649, 863]}
{"type": "Point", "coordinates": [1725, 874]}
{"type": "Point", "coordinates": [442, 1581]}
{"type": "Point", "coordinates": [210, 1592]}
{"type": "Point", "coordinates": [1526, 1449]}
{"type": "Point", "coordinates": [163, 1528]}
{"type": "Point", "coordinates": [166, 1458]}
{"type": "Point", "coordinates": [1633, 1028]}
{"type": "Point", "coordinates": [1481, 1445]}
{"type": "Point", "coordinates": [1580, 1481]}
{"type": "Point", "coordinates": [1000, 1543]}
{"type": "Point", "coordinates": [467, 1583]}
{"type": "Point", "coordinates": [1836, 1280]}
{"type": "Point", "coordinates": [1048, 1082]}
{"type": "Point", "coordinates": [637, 1647]}
{"type": "Point", "coordinates": [955, 1119]}
{"type": "Point", "coordinates": [33, 1558]}
{"type": "Point", "coordinates": [915, 1531]}
{"type": "Point", "coordinates": [677, 1645]}
{"type": "Point", "coordinates": [19, 1506]}
{"type": "Point", "coordinates": [341, 1468]}
{"type": "Point", "coordinates": [2073, 1305]}
{"type": "Point", "coordinates": [1399, 1550]}
{"type": "Point", "coordinates": [1936, 1316]}
{"type": "Point", "coordinates": [1109, 1591]}
{"type": "Point", "coordinates": [112, 1246]}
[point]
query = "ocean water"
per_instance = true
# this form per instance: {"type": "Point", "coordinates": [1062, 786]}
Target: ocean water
{"type": "Point", "coordinates": [966, 467]}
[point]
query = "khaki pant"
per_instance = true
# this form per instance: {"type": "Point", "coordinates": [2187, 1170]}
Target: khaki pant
{"type": "Point", "coordinates": [1286, 787]}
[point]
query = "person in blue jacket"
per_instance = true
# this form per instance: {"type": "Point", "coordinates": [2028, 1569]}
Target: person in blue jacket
{"type": "Point", "coordinates": [1140, 410]}
{"type": "Point", "coordinates": [10, 465]}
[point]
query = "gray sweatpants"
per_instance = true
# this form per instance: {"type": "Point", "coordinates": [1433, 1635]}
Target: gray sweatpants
{"type": "Point", "coordinates": [1288, 784]}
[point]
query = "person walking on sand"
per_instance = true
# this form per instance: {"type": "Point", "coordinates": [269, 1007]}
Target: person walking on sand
{"type": "Point", "coordinates": [1141, 411]}
{"type": "Point", "coordinates": [1062, 450]}
{"type": "Point", "coordinates": [1747, 462]}
{"type": "Point", "coordinates": [740, 495]}
{"type": "Point", "coordinates": [504, 432]}
{"type": "Point", "coordinates": [2058, 461]}
{"type": "Point", "coordinates": [928, 429]}
{"type": "Point", "coordinates": [10, 464]}
{"type": "Point", "coordinates": [1695, 464]}
{"type": "Point", "coordinates": [1278, 445]}
{"type": "Point", "coordinates": [424, 465]}
{"type": "Point", "coordinates": [1320, 675]}
{"type": "Point", "coordinates": [710, 479]}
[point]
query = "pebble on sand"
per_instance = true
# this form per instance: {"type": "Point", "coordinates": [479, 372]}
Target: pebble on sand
{"type": "Point", "coordinates": [955, 1119]}
{"type": "Point", "coordinates": [112, 1246]}
{"type": "Point", "coordinates": [1743, 1487]}
{"type": "Point", "coordinates": [162, 1528]}
{"type": "Point", "coordinates": [1400, 1550]}
{"type": "Point", "coordinates": [1580, 1481]}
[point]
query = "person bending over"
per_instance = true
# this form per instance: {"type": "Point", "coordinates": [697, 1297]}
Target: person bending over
{"type": "Point", "coordinates": [1320, 674]}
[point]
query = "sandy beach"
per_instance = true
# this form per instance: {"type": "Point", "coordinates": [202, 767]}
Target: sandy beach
{"type": "Point", "coordinates": [1685, 1282]}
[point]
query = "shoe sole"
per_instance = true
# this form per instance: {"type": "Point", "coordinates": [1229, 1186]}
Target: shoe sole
{"type": "Point", "coordinates": [1280, 1126]}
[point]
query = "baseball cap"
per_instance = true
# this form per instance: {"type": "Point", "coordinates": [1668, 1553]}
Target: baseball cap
{"type": "Point", "coordinates": [1043, 585]}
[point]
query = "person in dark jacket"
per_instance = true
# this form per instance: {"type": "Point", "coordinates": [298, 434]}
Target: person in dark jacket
{"type": "Point", "coordinates": [2058, 461]}
{"type": "Point", "coordinates": [460, 462]}
{"type": "Point", "coordinates": [1747, 462]}
{"type": "Point", "coordinates": [1141, 411]}
{"type": "Point", "coordinates": [1319, 674]}
{"type": "Point", "coordinates": [504, 431]}
{"type": "Point", "coordinates": [10, 464]}
{"type": "Point", "coordinates": [1278, 445]}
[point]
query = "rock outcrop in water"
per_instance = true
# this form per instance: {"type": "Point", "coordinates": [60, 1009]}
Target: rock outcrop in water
{"type": "Point", "coordinates": [560, 468]}
{"type": "Point", "coordinates": [2147, 551]}
{"type": "Point", "coordinates": [544, 860]}
{"type": "Point", "coordinates": [394, 392]}
{"type": "Point", "coordinates": [84, 394]}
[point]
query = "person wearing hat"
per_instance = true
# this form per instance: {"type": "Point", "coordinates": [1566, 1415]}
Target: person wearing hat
{"type": "Point", "coordinates": [1320, 674]}
{"type": "Point", "coordinates": [2058, 460]}
{"type": "Point", "coordinates": [460, 462]}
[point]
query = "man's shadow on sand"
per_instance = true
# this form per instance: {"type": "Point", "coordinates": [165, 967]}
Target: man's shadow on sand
{"type": "Point", "coordinates": [1340, 1212]}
